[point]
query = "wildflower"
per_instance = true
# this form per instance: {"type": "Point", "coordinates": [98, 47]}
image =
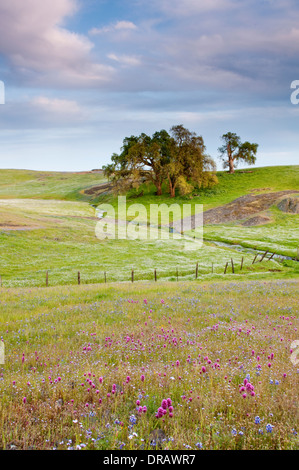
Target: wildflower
{"type": "Point", "coordinates": [142, 378]}
{"type": "Point", "coordinates": [24, 400]}
{"type": "Point", "coordinates": [164, 404]}
{"type": "Point", "coordinates": [234, 432]}
{"type": "Point", "coordinates": [257, 420]}
{"type": "Point", "coordinates": [133, 419]}
{"type": "Point", "coordinates": [199, 445]}
{"type": "Point", "coordinates": [269, 428]}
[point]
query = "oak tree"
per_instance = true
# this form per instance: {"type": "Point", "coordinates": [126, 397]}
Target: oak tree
{"type": "Point", "coordinates": [233, 151]}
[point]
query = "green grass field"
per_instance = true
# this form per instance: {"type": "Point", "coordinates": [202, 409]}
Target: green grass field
{"type": "Point", "coordinates": [177, 364]}
{"type": "Point", "coordinates": [48, 223]}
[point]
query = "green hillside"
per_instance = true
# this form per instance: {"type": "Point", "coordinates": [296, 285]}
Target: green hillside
{"type": "Point", "coordinates": [47, 185]}
{"type": "Point", "coordinates": [48, 222]}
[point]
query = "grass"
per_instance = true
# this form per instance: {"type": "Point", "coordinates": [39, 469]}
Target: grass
{"type": "Point", "coordinates": [69, 186]}
{"type": "Point", "coordinates": [48, 223]}
{"type": "Point", "coordinates": [76, 357]}
{"type": "Point", "coordinates": [80, 361]}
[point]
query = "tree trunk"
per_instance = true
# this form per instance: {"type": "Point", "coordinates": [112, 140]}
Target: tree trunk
{"type": "Point", "coordinates": [230, 159]}
{"type": "Point", "coordinates": [171, 187]}
{"type": "Point", "coordinates": [159, 189]}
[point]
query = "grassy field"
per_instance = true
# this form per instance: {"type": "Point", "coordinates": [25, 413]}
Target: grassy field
{"type": "Point", "coordinates": [47, 185]}
{"type": "Point", "coordinates": [174, 366]}
{"type": "Point", "coordinates": [48, 223]}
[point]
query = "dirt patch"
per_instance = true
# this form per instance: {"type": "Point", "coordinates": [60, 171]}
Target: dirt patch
{"type": "Point", "coordinates": [243, 208]}
{"type": "Point", "coordinates": [97, 190]}
{"type": "Point", "coordinates": [289, 205]}
{"type": "Point", "coordinates": [257, 220]}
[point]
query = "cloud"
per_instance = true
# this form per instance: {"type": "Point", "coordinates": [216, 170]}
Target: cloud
{"type": "Point", "coordinates": [43, 52]}
{"type": "Point", "coordinates": [56, 106]}
{"type": "Point", "coordinates": [43, 112]}
{"type": "Point", "coordinates": [125, 59]}
{"type": "Point", "coordinates": [119, 26]}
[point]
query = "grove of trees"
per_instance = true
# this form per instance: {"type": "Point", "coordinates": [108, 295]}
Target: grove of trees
{"type": "Point", "coordinates": [177, 158]}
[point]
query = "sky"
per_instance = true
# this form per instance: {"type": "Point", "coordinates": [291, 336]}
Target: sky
{"type": "Point", "coordinates": [80, 76]}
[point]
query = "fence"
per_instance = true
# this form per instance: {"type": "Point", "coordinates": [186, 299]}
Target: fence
{"type": "Point", "coordinates": [230, 267]}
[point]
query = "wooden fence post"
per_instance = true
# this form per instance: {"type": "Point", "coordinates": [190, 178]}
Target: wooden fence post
{"type": "Point", "coordinates": [271, 256]}
{"type": "Point", "coordinates": [105, 277]}
{"type": "Point", "coordinates": [132, 275]}
{"type": "Point", "coordinates": [254, 259]}
{"type": "Point", "coordinates": [155, 275]}
{"type": "Point", "coordinates": [225, 268]}
{"type": "Point", "coordinates": [79, 278]}
{"type": "Point", "coordinates": [233, 267]}
{"type": "Point", "coordinates": [242, 263]}
{"type": "Point", "coordinates": [196, 271]}
{"type": "Point", "coordinates": [266, 252]}
{"type": "Point", "coordinates": [0, 280]}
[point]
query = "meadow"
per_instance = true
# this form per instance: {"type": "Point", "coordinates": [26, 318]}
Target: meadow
{"type": "Point", "coordinates": [202, 359]}
{"type": "Point", "coordinates": [187, 365]}
{"type": "Point", "coordinates": [48, 223]}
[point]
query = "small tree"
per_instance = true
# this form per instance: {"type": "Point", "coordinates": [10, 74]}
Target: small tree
{"type": "Point", "coordinates": [233, 151]}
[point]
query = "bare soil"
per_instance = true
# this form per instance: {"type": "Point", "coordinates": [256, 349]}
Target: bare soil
{"type": "Point", "coordinates": [244, 207]}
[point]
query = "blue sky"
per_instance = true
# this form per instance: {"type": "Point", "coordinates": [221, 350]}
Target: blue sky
{"type": "Point", "coordinates": [81, 75]}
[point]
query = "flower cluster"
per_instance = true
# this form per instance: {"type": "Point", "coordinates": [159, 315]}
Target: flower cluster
{"type": "Point", "coordinates": [247, 388]}
{"type": "Point", "coordinates": [165, 405]}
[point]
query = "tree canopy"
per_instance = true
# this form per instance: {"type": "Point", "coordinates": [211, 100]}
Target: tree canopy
{"type": "Point", "coordinates": [178, 158]}
{"type": "Point", "coordinates": [233, 151]}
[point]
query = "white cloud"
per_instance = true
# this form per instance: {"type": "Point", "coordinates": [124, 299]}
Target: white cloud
{"type": "Point", "coordinates": [118, 26]}
{"type": "Point", "coordinates": [56, 105]}
{"type": "Point", "coordinates": [125, 59]}
{"type": "Point", "coordinates": [41, 50]}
